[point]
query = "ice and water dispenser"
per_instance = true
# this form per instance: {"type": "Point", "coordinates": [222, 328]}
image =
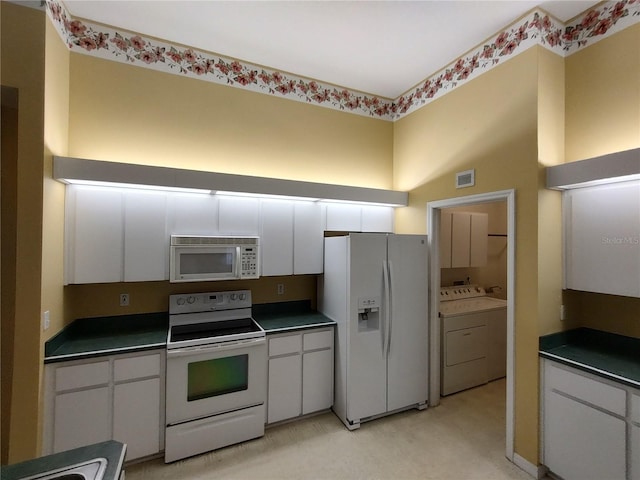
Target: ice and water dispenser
{"type": "Point", "coordinates": [368, 313]}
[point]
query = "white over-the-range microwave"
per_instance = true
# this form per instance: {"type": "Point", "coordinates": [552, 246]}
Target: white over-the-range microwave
{"type": "Point", "coordinates": [210, 258]}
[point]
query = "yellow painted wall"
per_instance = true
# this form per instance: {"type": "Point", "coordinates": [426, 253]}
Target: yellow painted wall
{"type": "Point", "coordinates": [56, 137]}
{"type": "Point", "coordinates": [603, 96]}
{"type": "Point", "coordinates": [603, 116]}
{"type": "Point", "coordinates": [124, 113]}
{"type": "Point", "coordinates": [489, 124]}
{"type": "Point", "coordinates": [551, 140]}
{"type": "Point", "coordinates": [23, 68]}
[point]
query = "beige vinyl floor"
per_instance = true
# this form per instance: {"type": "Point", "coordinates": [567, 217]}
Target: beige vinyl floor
{"type": "Point", "coordinates": [462, 438]}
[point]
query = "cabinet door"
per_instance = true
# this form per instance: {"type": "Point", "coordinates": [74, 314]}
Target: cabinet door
{"type": "Point", "coordinates": [308, 238]}
{"type": "Point", "coordinates": [479, 235]}
{"type": "Point", "coordinates": [602, 241]}
{"type": "Point", "coordinates": [136, 417]}
{"type": "Point", "coordinates": [146, 242]}
{"type": "Point", "coordinates": [95, 249]}
{"type": "Point", "coordinates": [581, 442]}
{"type": "Point", "coordinates": [317, 381]}
{"type": "Point", "coordinates": [192, 214]}
{"type": "Point", "coordinates": [285, 388]}
{"type": "Point", "coordinates": [377, 219]}
{"type": "Point", "coordinates": [445, 240]}
{"type": "Point", "coordinates": [344, 217]}
{"type": "Point", "coordinates": [460, 239]}
{"type": "Point", "coordinates": [276, 239]}
{"type": "Point", "coordinates": [239, 216]}
{"type": "Point", "coordinates": [81, 418]}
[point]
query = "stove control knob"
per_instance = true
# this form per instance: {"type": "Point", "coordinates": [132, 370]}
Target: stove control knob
{"type": "Point", "coordinates": [243, 296]}
{"type": "Point", "coordinates": [233, 297]}
{"type": "Point", "coordinates": [191, 299]}
{"type": "Point", "coordinates": [180, 301]}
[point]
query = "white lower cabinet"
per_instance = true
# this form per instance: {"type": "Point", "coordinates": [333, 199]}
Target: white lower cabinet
{"type": "Point", "coordinates": [117, 397]}
{"type": "Point", "coordinates": [584, 424]}
{"type": "Point", "coordinates": [300, 373]}
{"type": "Point", "coordinates": [317, 389]}
{"type": "Point", "coordinates": [136, 415]}
{"type": "Point", "coordinates": [80, 419]}
{"type": "Point", "coordinates": [285, 385]}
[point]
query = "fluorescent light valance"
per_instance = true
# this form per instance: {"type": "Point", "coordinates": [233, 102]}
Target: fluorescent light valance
{"type": "Point", "coordinates": [77, 170]}
{"type": "Point", "coordinates": [611, 168]}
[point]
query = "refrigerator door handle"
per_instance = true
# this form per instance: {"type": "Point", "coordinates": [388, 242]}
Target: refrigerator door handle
{"type": "Point", "coordinates": [387, 300]}
{"type": "Point", "coordinates": [390, 317]}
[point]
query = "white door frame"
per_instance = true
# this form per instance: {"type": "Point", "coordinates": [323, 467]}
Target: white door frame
{"type": "Point", "coordinates": [433, 232]}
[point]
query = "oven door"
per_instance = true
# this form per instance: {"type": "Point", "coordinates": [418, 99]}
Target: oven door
{"type": "Point", "coordinates": [202, 263]}
{"type": "Point", "coordinates": [212, 379]}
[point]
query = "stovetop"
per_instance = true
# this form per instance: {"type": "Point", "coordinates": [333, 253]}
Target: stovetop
{"type": "Point", "coordinates": [197, 319]}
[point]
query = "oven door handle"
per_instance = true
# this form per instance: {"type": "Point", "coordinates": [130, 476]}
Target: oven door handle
{"type": "Point", "coordinates": [215, 347]}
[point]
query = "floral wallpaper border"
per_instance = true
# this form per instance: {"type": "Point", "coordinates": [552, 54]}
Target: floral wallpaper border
{"type": "Point", "coordinates": [536, 28]}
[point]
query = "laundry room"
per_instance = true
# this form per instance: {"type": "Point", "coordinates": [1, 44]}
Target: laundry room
{"type": "Point", "coordinates": [473, 294]}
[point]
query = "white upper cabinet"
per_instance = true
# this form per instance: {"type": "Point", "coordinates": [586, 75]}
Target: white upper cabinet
{"type": "Point", "coordinates": [192, 214]}
{"type": "Point", "coordinates": [94, 235]}
{"type": "Point", "coordinates": [123, 234]}
{"type": "Point", "coordinates": [146, 242]}
{"type": "Point", "coordinates": [239, 215]}
{"type": "Point", "coordinates": [276, 238]}
{"type": "Point", "coordinates": [377, 219]}
{"type": "Point", "coordinates": [602, 238]}
{"type": "Point", "coordinates": [308, 238]}
{"type": "Point", "coordinates": [345, 217]}
{"type": "Point", "coordinates": [463, 239]}
{"type": "Point", "coordinates": [479, 239]}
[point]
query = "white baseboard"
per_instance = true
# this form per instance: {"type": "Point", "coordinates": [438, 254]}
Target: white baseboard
{"type": "Point", "coordinates": [536, 471]}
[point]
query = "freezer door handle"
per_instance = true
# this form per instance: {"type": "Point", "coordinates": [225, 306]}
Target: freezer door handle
{"type": "Point", "coordinates": [386, 328]}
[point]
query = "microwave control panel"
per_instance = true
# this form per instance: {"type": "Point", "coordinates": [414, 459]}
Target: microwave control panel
{"type": "Point", "coordinates": [249, 261]}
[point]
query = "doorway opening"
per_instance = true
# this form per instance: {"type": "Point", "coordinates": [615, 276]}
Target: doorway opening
{"type": "Point", "coordinates": [434, 213]}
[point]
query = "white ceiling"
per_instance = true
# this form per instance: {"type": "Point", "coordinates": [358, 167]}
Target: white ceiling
{"type": "Point", "coordinates": [378, 47]}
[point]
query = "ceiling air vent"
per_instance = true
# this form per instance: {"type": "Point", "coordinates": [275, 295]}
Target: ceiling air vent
{"type": "Point", "coordinates": [466, 179]}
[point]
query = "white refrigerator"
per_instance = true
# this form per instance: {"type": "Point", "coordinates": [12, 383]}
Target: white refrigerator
{"type": "Point", "coordinates": [375, 287]}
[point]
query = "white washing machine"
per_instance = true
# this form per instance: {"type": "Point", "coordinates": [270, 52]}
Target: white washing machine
{"type": "Point", "coordinates": [473, 338]}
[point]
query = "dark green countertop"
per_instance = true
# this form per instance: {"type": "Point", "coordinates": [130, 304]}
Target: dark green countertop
{"type": "Point", "coordinates": [113, 451]}
{"type": "Point", "coordinates": [90, 337]}
{"type": "Point", "coordinates": [608, 355]}
{"type": "Point", "coordinates": [287, 316]}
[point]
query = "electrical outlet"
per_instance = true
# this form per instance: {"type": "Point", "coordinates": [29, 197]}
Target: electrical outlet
{"type": "Point", "coordinates": [46, 320]}
{"type": "Point", "coordinates": [281, 289]}
{"type": "Point", "coordinates": [124, 299]}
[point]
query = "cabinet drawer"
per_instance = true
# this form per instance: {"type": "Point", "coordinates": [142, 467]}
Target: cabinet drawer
{"type": "Point", "coordinates": [634, 410]}
{"type": "Point", "coordinates": [81, 376]}
{"type": "Point", "coordinates": [317, 340]}
{"type": "Point", "coordinates": [586, 389]}
{"type": "Point", "coordinates": [285, 344]}
{"type": "Point", "coordinates": [136, 367]}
